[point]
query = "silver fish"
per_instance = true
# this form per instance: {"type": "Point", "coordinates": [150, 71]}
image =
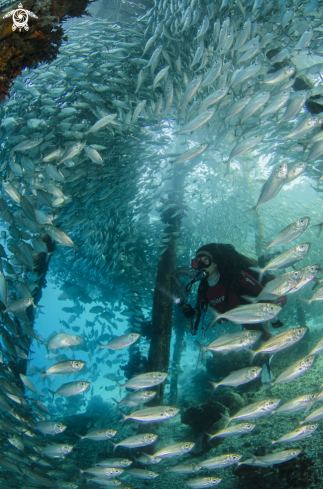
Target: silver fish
{"type": "Point", "coordinates": [27, 383]}
{"type": "Point", "coordinates": [65, 368]}
{"type": "Point", "coordinates": [271, 458]}
{"type": "Point", "coordinates": [136, 441]}
{"type": "Point", "coordinates": [213, 98]}
{"type": "Point", "coordinates": [314, 416]}
{"type": "Point", "coordinates": [281, 285]}
{"type": "Point", "coordinates": [71, 389]}
{"type": "Point", "coordinates": [308, 274]}
{"type": "Point", "coordinates": [136, 398]}
{"type": "Point", "coordinates": [122, 341]}
{"type": "Point", "coordinates": [273, 184]}
{"type": "Point", "coordinates": [281, 341]}
{"type": "Point", "coordinates": [64, 341]}
{"type": "Point", "coordinates": [56, 451]}
{"type": "Point", "coordinates": [255, 410]}
{"type": "Point", "coordinates": [255, 104]}
{"type": "Point", "coordinates": [142, 474]}
{"type": "Point", "coordinates": [284, 260]}
{"type": "Point", "coordinates": [191, 153]}
{"type": "Point", "coordinates": [294, 106]}
{"type": "Point", "coordinates": [232, 342]}
{"type": "Point", "coordinates": [236, 429]}
{"type": "Point", "coordinates": [250, 313]}
{"type": "Point", "coordinates": [198, 121]}
{"type": "Point", "coordinates": [245, 146]}
{"type": "Point", "coordinates": [297, 434]}
{"type": "Point", "coordinates": [203, 482]}
{"type": "Point", "coordinates": [237, 107]}
{"type": "Point", "coordinates": [290, 232]}
{"type": "Point", "coordinates": [152, 414]}
{"type": "Point", "coordinates": [107, 472]}
{"type": "Point", "coordinates": [277, 103]}
{"type": "Point", "coordinates": [98, 435]}
{"type": "Point", "coordinates": [239, 377]}
{"type": "Point", "coordinates": [50, 427]}
{"type": "Point", "coordinates": [144, 380]}
{"type": "Point", "coordinates": [318, 348]}
{"type": "Point", "coordinates": [115, 462]}
{"type": "Point", "coordinates": [190, 92]}
{"type": "Point", "coordinates": [304, 127]}
{"type": "Point", "coordinates": [295, 171]}
{"type": "Point", "coordinates": [304, 401]}
{"type": "Point", "coordinates": [298, 368]}
{"type": "Point", "coordinates": [220, 461]}
{"type": "Point", "coordinates": [213, 72]}
{"type": "Point", "coordinates": [174, 450]}
{"type": "Point", "coordinates": [96, 127]}
{"type": "Point", "coordinates": [280, 75]}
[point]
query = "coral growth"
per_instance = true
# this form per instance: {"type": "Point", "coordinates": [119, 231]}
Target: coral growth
{"type": "Point", "coordinates": [26, 49]}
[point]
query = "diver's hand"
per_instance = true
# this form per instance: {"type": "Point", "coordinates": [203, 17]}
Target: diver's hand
{"type": "Point", "coordinates": [189, 311]}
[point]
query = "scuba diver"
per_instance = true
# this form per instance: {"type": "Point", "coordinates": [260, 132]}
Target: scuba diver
{"type": "Point", "coordinates": [225, 278]}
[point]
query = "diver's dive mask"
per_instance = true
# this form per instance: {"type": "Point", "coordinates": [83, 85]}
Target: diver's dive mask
{"type": "Point", "coordinates": [199, 264]}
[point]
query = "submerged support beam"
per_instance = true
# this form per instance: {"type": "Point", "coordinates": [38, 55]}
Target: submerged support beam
{"type": "Point", "coordinates": [159, 352]}
{"type": "Point", "coordinates": [178, 349]}
{"type": "Point", "coordinates": [41, 269]}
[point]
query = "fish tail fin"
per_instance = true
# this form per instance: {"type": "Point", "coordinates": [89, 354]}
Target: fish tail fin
{"type": "Point", "coordinates": [215, 315]}
{"type": "Point", "coordinates": [307, 302]}
{"type": "Point", "coordinates": [203, 348]}
{"type": "Point", "coordinates": [52, 393]}
{"type": "Point", "coordinates": [226, 418]}
{"type": "Point", "coordinates": [310, 404]}
{"type": "Point", "coordinates": [249, 298]}
{"type": "Point", "coordinates": [149, 458]}
{"type": "Point", "coordinates": [269, 441]}
{"type": "Point", "coordinates": [117, 402]}
{"type": "Point", "coordinates": [255, 208]}
{"type": "Point", "coordinates": [120, 387]}
{"type": "Point", "coordinates": [80, 436]}
{"type": "Point", "coordinates": [43, 376]}
{"type": "Point", "coordinates": [214, 385]}
{"type": "Point", "coordinates": [124, 416]}
{"type": "Point", "coordinates": [114, 445]}
{"type": "Point", "coordinates": [209, 436]}
{"type": "Point", "coordinates": [252, 354]}
{"type": "Point", "coordinates": [258, 270]}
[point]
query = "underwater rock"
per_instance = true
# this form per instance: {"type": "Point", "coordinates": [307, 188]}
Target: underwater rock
{"type": "Point", "coordinates": [293, 474]}
{"type": "Point", "coordinates": [233, 401]}
{"type": "Point", "coordinates": [203, 417]}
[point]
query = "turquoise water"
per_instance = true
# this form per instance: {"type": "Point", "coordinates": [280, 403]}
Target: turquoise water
{"type": "Point", "coordinates": [90, 150]}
